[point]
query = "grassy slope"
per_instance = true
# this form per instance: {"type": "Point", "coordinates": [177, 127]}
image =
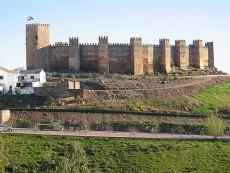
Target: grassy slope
{"type": "Point", "coordinates": [213, 98]}
{"type": "Point", "coordinates": [127, 155]}
{"type": "Point", "coordinates": [209, 100]}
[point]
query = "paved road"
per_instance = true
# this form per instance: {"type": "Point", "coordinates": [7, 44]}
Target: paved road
{"type": "Point", "coordinates": [112, 134]}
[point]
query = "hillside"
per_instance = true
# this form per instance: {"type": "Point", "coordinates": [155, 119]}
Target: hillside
{"type": "Point", "coordinates": [43, 153]}
{"type": "Point", "coordinates": [200, 94]}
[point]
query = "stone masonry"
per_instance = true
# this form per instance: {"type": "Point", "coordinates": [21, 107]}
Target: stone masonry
{"type": "Point", "coordinates": [134, 58]}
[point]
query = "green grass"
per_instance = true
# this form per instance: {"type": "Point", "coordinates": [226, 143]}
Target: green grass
{"type": "Point", "coordinates": [208, 100]}
{"type": "Point", "coordinates": [213, 98]}
{"type": "Point", "coordinates": [124, 155]}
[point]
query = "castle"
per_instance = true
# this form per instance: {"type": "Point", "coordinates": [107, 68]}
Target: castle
{"type": "Point", "coordinates": [134, 58]}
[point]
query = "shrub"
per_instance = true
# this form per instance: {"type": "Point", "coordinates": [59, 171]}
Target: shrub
{"type": "Point", "coordinates": [50, 100]}
{"type": "Point", "coordinates": [214, 126]}
{"type": "Point", "coordinates": [22, 123]}
{"type": "Point", "coordinates": [45, 126]}
{"type": "Point", "coordinates": [135, 106]}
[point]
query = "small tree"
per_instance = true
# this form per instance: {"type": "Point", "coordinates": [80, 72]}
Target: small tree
{"type": "Point", "coordinates": [214, 126]}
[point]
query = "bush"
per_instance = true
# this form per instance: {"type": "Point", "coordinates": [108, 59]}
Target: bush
{"type": "Point", "coordinates": [135, 106]}
{"type": "Point", "coordinates": [22, 123]}
{"type": "Point", "coordinates": [76, 125]}
{"type": "Point", "coordinates": [50, 100]}
{"type": "Point", "coordinates": [45, 126]}
{"type": "Point", "coordinates": [214, 126]}
{"type": "Point", "coordinates": [147, 127]}
{"type": "Point", "coordinates": [181, 128]}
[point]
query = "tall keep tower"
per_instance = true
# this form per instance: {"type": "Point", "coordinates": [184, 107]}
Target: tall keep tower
{"type": "Point", "coordinates": [37, 37]}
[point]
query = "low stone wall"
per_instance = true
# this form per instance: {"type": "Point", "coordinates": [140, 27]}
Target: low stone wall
{"type": "Point", "coordinates": [56, 91]}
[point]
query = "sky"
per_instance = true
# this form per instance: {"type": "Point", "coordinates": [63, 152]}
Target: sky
{"type": "Point", "coordinates": [152, 20]}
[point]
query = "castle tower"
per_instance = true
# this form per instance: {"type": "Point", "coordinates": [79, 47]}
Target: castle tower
{"type": "Point", "coordinates": [182, 54]}
{"type": "Point", "coordinates": [147, 52]}
{"type": "Point", "coordinates": [165, 55]}
{"type": "Point", "coordinates": [200, 55]}
{"type": "Point", "coordinates": [74, 54]}
{"type": "Point", "coordinates": [103, 55]}
{"type": "Point", "coordinates": [210, 47]}
{"type": "Point", "coordinates": [37, 37]}
{"type": "Point", "coordinates": [136, 56]}
{"type": "Point", "coordinates": [197, 44]}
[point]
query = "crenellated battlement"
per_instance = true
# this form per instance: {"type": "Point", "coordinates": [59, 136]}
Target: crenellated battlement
{"type": "Point", "coordinates": [73, 38]}
{"type": "Point", "coordinates": [208, 44]}
{"type": "Point", "coordinates": [198, 42]}
{"type": "Point", "coordinates": [148, 45]}
{"type": "Point", "coordinates": [103, 39]}
{"type": "Point", "coordinates": [89, 44]}
{"type": "Point", "coordinates": [133, 39]}
{"type": "Point", "coordinates": [183, 42]}
{"type": "Point", "coordinates": [37, 24]}
{"type": "Point", "coordinates": [74, 41]}
{"type": "Point", "coordinates": [156, 46]}
{"type": "Point", "coordinates": [60, 44]}
{"type": "Point", "coordinates": [164, 40]}
{"type": "Point", "coordinates": [119, 44]}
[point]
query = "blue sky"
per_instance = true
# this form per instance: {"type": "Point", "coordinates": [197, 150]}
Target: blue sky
{"type": "Point", "coordinates": [208, 20]}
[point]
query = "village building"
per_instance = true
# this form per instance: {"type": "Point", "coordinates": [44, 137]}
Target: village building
{"type": "Point", "coordinates": [30, 79]}
{"type": "Point", "coordinates": [8, 80]}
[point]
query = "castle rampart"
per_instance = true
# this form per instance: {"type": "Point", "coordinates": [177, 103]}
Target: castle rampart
{"type": "Point", "coordinates": [104, 57]}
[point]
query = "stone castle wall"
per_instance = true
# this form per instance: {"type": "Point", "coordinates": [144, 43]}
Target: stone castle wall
{"type": "Point", "coordinates": [89, 57]}
{"type": "Point", "coordinates": [133, 58]}
{"type": "Point", "coordinates": [119, 58]}
{"type": "Point", "coordinates": [59, 56]}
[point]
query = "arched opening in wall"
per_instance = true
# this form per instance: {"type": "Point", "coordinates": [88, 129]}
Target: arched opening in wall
{"type": "Point", "coordinates": [36, 37]}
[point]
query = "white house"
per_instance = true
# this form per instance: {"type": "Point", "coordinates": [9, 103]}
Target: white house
{"type": "Point", "coordinates": [30, 79]}
{"type": "Point", "coordinates": [8, 80]}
